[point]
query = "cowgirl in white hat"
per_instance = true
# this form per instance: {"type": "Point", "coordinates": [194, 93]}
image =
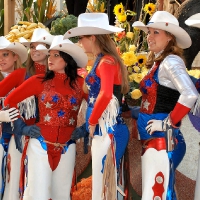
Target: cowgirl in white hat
{"type": "Point", "coordinates": [167, 96]}
{"type": "Point", "coordinates": [50, 158]}
{"type": "Point", "coordinates": [35, 64]}
{"type": "Point", "coordinates": [194, 21]}
{"type": "Point", "coordinates": [12, 55]}
{"type": "Point", "coordinates": [105, 83]}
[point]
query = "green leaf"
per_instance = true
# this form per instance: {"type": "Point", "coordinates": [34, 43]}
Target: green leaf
{"type": "Point", "coordinates": [24, 4]}
{"type": "Point", "coordinates": [35, 7]}
{"type": "Point", "coordinates": [30, 3]}
{"type": "Point", "coordinates": [42, 11]}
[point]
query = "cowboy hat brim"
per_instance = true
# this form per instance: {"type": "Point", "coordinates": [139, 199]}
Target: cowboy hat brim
{"type": "Point", "coordinates": [72, 49]}
{"type": "Point", "coordinates": [18, 49]}
{"type": "Point", "coordinates": [182, 37]}
{"type": "Point", "coordinates": [193, 21]}
{"type": "Point", "coordinates": [46, 40]}
{"type": "Point", "coordinates": [88, 30]}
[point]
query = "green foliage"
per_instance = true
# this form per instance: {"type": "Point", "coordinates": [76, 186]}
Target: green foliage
{"type": "Point", "coordinates": [61, 25]}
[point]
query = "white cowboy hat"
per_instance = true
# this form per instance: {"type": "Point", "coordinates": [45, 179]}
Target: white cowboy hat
{"type": "Point", "coordinates": [39, 35]}
{"type": "Point", "coordinates": [193, 20]}
{"type": "Point", "coordinates": [68, 47]}
{"type": "Point", "coordinates": [92, 24]}
{"type": "Point", "coordinates": [165, 21]}
{"type": "Point", "coordinates": [15, 47]}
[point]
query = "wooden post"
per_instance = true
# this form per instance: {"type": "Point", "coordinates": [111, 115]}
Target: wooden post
{"type": "Point", "coordinates": [9, 15]}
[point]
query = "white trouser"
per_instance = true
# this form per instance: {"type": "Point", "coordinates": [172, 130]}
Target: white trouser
{"type": "Point", "coordinates": [99, 150]}
{"type": "Point", "coordinates": [43, 183]}
{"type": "Point", "coordinates": [197, 187]}
{"type": "Point", "coordinates": [153, 162]}
{"type": "Point", "coordinates": [12, 172]}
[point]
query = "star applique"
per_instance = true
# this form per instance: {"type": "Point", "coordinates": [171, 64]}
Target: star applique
{"type": "Point", "coordinates": [92, 100]}
{"type": "Point", "coordinates": [144, 90]}
{"type": "Point", "coordinates": [148, 82]}
{"type": "Point", "coordinates": [61, 113]}
{"type": "Point", "coordinates": [43, 97]}
{"type": "Point", "coordinates": [48, 105]}
{"type": "Point", "coordinates": [73, 100]}
{"type": "Point", "coordinates": [146, 104]}
{"type": "Point", "coordinates": [55, 98]}
{"type": "Point", "coordinates": [75, 108]}
{"type": "Point", "coordinates": [91, 80]}
{"type": "Point", "coordinates": [47, 118]}
{"type": "Point", "coordinates": [88, 87]}
{"type": "Point", "coordinates": [71, 121]}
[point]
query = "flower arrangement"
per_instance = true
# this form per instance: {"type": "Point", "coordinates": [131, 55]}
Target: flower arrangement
{"type": "Point", "coordinates": [35, 11]}
{"type": "Point", "coordinates": [132, 46]}
{"type": "Point", "coordinates": [96, 6]}
{"type": "Point", "coordinates": [83, 189]}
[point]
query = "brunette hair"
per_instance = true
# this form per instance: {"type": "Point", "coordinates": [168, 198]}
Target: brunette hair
{"type": "Point", "coordinates": [70, 70]}
{"type": "Point", "coordinates": [171, 48]}
{"type": "Point", "coordinates": [107, 47]}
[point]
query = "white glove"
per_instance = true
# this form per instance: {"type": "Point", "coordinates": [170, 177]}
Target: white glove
{"type": "Point", "coordinates": [9, 115]}
{"type": "Point", "coordinates": [154, 125]}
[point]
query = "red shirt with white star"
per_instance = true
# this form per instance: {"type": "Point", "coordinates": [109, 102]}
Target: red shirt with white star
{"type": "Point", "coordinates": [58, 104]}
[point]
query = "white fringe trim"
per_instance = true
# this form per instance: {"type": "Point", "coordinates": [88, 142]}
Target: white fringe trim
{"type": "Point", "coordinates": [196, 109]}
{"type": "Point", "coordinates": [108, 117]}
{"type": "Point", "coordinates": [27, 107]}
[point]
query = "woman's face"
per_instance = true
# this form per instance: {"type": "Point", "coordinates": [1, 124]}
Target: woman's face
{"type": "Point", "coordinates": [37, 56]}
{"type": "Point", "coordinates": [157, 39]}
{"type": "Point", "coordinates": [55, 62]}
{"type": "Point", "coordinates": [7, 60]}
{"type": "Point", "coordinates": [86, 43]}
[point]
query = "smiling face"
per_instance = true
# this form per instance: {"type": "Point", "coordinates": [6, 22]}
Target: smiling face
{"type": "Point", "coordinates": [7, 60]}
{"type": "Point", "coordinates": [157, 39]}
{"type": "Point", "coordinates": [55, 62]}
{"type": "Point", "coordinates": [37, 56]}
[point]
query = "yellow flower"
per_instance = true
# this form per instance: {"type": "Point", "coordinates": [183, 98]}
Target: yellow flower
{"type": "Point", "coordinates": [118, 9]}
{"type": "Point", "coordinates": [130, 69]}
{"type": "Point", "coordinates": [129, 35]}
{"type": "Point", "coordinates": [131, 77]}
{"type": "Point", "coordinates": [136, 29]}
{"type": "Point", "coordinates": [195, 73]}
{"type": "Point", "coordinates": [136, 69]}
{"type": "Point", "coordinates": [150, 8]}
{"type": "Point", "coordinates": [89, 68]}
{"type": "Point", "coordinates": [132, 47]}
{"type": "Point", "coordinates": [121, 17]}
{"type": "Point", "coordinates": [136, 94]}
{"type": "Point", "coordinates": [138, 77]}
{"type": "Point", "coordinates": [141, 59]}
{"type": "Point", "coordinates": [144, 70]}
{"type": "Point", "coordinates": [129, 58]}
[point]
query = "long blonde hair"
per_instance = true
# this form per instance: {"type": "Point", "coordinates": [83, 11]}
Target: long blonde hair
{"type": "Point", "coordinates": [171, 48]}
{"type": "Point", "coordinates": [107, 47]}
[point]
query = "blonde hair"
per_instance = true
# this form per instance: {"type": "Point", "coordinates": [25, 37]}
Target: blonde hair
{"type": "Point", "coordinates": [107, 47]}
{"type": "Point", "coordinates": [171, 48]}
{"type": "Point", "coordinates": [17, 65]}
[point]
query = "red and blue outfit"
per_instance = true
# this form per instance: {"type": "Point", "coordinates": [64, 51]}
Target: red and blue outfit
{"type": "Point", "coordinates": [28, 111]}
{"type": "Point", "coordinates": [166, 90]}
{"type": "Point", "coordinates": [104, 85]}
{"type": "Point", "coordinates": [50, 159]}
